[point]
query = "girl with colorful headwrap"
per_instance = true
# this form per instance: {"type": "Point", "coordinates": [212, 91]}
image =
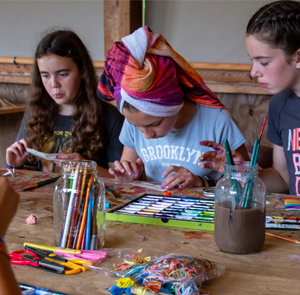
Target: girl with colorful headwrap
{"type": "Point", "coordinates": [168, 110]}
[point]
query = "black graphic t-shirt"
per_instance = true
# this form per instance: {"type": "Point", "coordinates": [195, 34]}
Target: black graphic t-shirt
{"type": "Point", "coordinates": [284, 130]}
{"type": "Point", "coordinates": [62, 138]}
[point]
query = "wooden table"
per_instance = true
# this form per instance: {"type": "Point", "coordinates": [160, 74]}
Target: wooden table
{"type": "Point", "coordinates": [268, 272]}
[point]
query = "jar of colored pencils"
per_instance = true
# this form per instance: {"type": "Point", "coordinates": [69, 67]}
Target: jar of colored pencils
{"type": "Point", "coordinates": [79, 207]}
{"type": "Point", "coordinates": [240, 210]}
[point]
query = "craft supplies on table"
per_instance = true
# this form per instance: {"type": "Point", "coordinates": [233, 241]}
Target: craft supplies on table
{"type": "Point", "coordinates": [282, 237]}
{"type": "Point", "coordinates": [240, 229]}
{"type": "Point", "coordinates": [172, 274]}
{"type": "Point", "coordinates": [275, 222]}
{"type": "Point", "coordinates": [35, 290]}
{"type": "Point", "coordinates": [292, 203]}
{"type": "Point", "coordinates": [172, 211]}
{"type": "Point", "coordinates": [40, 183]}
{"type": "Point", "coordinates": [79, 207]}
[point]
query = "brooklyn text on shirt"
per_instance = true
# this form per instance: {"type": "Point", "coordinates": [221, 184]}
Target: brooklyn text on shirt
{"type": "Point", "coordinates": [171, 152]}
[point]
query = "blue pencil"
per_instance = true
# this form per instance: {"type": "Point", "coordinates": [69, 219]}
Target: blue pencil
{"type": "Point", "coordinates": [89, 221]}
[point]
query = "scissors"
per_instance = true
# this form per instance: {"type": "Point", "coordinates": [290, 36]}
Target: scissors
{"type": "Point", "coordinates": [31, 258]}
{"type": "Point", "coordinates": [49, 255]}
{"type": "Point", "coordinates": [26, 257]}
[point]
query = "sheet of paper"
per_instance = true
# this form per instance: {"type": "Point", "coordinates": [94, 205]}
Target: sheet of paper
{"type": "Point", "coordinates": [148, 185]}
{"type": "Point", "coordinates": [45, 156]}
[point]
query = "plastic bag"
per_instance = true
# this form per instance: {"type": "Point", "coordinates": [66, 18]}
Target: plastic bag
{"type": "Point", "coordinates": [172, 273]}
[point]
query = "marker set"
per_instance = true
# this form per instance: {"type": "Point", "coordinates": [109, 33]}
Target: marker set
{"type": "Point", "coordinates": [173, 211]}
{"type": "Point", "coordinates": [275, 222]}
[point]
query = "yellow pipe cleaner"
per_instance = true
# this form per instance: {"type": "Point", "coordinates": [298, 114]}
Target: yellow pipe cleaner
{"type": "Point", "coordinates": [125, 282]}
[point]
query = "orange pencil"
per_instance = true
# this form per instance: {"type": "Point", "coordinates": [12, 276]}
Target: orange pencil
{"type": "Point", "coordinates": [282, 237]}
{"type": "Point", "coordinates": [82, 225]}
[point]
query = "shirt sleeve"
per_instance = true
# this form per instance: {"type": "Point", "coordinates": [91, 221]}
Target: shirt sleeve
{"type": "Point", "coordinates": [227, 128]}
{"type": "Point", "coordinates": [273, 119]}
{"type": "Point", "coordinates": [127, 135]}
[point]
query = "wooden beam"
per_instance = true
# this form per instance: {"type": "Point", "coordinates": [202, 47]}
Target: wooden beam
{"type": "Point", "coordinates": [7, 107]}
{"type": "Point", "coordinates": [221, 78]}
{"type": "Point", "coordinates": [121, 17]}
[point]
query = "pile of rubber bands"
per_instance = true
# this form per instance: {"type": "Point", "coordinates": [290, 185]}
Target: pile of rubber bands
{"type": "Point", "coordinates": [172, 274]}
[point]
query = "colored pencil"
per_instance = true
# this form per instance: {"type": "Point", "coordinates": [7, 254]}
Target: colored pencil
{"type": "Point", "coordinates": [40, 183]}
{"type": "Point", "coordinates": [75, 209]}
{"type": "Point", "coordinates": [70, 206]}
{"type": "Point", "coordinates": [89, 222]}
{"type": "Point", "coordinates": [51, 248]}
{"type": "Point", "coordinates": [94, 244]}
{"type": "Point", "coordinates": [282, 237]}
{"type": "Point", "coordinates": [82, 225]}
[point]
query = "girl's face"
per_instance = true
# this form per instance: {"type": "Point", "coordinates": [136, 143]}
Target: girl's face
{"type": "Point", "coordinates": [152, 127]}
{"type": "Point", "coordinates": [61, 79]}
{"type": "Point", "coordinates": [270, 67]}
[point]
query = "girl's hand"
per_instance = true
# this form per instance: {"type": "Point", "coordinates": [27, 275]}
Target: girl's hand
{"type": "Point", "coordinates": [216, 159]}
{"type": "Point", "coordinates": [181, 176]}
{"type": "Point", "coordinates": [67, 157]}
{"type": "Point", "coordinates": [127, 170]}
{"type": "Point", "coordinates": [16, 154]}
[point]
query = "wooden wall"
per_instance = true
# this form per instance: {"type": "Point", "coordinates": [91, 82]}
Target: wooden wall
{"type": "Point", "coordinates": [231, 82]}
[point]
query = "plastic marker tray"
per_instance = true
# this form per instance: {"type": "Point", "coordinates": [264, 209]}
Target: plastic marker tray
{"type": "Point", "coordinates": [171, 211]}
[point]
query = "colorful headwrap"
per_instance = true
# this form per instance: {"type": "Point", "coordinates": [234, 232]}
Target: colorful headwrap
{"type": "Point", "coordinates": [153, 84]}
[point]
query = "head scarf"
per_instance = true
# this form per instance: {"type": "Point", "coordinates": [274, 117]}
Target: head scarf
{"type": "Point", "coordinates": [153, 84]}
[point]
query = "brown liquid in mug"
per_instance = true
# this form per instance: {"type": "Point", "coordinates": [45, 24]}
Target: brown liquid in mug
{"type": "Point", "coordinates": [239, 231]}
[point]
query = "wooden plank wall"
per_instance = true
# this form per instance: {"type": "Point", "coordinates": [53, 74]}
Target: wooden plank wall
{"type": "Point", "coordinates": [247, 100]}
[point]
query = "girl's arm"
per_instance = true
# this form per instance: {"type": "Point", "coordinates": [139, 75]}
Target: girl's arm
{"type": "Point", "coordinates": [276, 178]}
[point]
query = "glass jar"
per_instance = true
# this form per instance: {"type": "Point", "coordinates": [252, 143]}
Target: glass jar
{"type": "Point", "coordinates": [79, 207]}
{"type": "Point", "coordinates": [240, 210]}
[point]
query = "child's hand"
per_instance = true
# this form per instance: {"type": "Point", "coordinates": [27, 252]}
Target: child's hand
{"type": "Point", "coordinates": [127, 170]}
{"type": "Point", "coordinates": [67, 157]}
{"type": "Point", "coordinates": [216, 159]}
{"type": "Point", "coordinates": [181, 176]}
{"type": "Point", "coordinates": [16, 154]}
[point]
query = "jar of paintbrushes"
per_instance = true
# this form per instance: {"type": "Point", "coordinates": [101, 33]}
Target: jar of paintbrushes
{"type": "Point", "coordinates": [240, 206]}
{"type": "Point", "coordinates": [79, 207]}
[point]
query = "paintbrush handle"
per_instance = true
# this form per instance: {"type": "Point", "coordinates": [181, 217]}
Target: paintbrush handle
{"type": "Point", "coordinates": [282, 237]}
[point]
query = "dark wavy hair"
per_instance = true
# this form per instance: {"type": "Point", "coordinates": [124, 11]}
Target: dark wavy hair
{"type": "Point", "coordinates": [87, 133]}
{"type": "Point", "coordinates": [278, 25]}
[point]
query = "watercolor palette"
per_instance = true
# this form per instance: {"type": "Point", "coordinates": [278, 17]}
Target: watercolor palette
{"type": "Point", "coordinates": [172, 211]}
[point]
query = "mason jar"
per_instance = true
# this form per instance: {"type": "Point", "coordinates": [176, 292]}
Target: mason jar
{"type": "Point", "coordinates": [79, 207]}
{"type": "Point", "coordinates": [240, 210]}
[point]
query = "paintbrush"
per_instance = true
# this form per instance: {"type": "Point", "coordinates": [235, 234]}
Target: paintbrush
{"type": "Point", "coordinates": [40, 183]}
{"type": "Point", "coordinates": [282, 237]}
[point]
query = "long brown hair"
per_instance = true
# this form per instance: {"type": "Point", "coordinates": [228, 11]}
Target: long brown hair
{"type": "Point", "coordinates": [87, 133]}
{"type": "Point", "coordinates": [278, 25]}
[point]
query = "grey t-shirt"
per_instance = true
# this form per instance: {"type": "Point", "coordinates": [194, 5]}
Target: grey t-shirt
{"type": "Point", "coordinates": [62, 138]}
{"type": "Point", "coordinates": [181, 147]}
